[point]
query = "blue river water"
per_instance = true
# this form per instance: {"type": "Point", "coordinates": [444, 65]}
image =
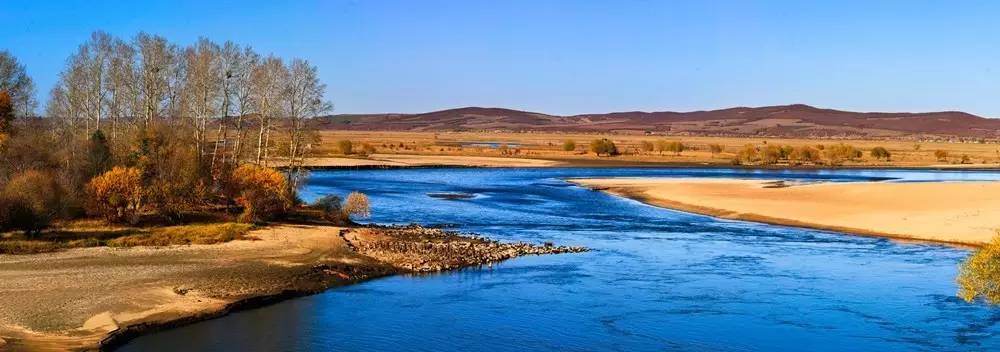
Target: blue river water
{"type": "Point", "coordinates": [657, 279]}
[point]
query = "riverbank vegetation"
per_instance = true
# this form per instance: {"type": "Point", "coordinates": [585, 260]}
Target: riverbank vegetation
{"type": "Point", "coordinates": [979, 275]}
{"type": "Point", "coordinates": [166, 144]}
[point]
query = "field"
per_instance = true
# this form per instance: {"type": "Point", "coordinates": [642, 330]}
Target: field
{"type": "Point", "coordinates": [549, 146]}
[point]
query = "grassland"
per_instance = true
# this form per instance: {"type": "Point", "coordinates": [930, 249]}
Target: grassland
{"type": "Point", "coordinates": [549, 146]}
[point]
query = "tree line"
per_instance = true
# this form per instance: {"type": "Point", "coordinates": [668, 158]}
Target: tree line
{"type": "Point", "coordinates": [144, 126]}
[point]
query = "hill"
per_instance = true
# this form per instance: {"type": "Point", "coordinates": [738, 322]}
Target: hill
{"type": "Point", "coordinates": [784, 121]}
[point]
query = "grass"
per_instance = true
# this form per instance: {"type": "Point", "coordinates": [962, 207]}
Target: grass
{"type": "Point", "coordinates": [78, 235]}
{"type": "Point", "coordinates": [185, 234]}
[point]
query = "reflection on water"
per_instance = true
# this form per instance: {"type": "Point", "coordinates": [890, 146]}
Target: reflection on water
{"type": "Point", "coordinates": [658, 279]}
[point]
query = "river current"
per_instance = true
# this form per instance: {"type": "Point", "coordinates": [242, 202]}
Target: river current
{"type": "Point", "coordinates": [656, 280]}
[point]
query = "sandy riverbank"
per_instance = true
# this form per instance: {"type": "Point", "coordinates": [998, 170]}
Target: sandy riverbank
{"type": "Point", "coordinates": [952, 212]}
{"type": "Point", "coordinates": [92, 297]}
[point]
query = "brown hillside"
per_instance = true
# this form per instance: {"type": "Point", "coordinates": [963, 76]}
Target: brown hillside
{"type": "Point", "coordinates": [784, 120]}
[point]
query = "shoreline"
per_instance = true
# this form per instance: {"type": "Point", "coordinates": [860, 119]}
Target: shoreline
{"type": "Point", "coordinates": [817, 206]}
{"type": "Point", "coordinates": [436, 161]}
{"type": "Point", "coordinates": [156, 288]}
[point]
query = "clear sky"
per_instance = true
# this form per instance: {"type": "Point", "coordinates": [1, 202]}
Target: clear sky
{"type": "Point", "coordinates": [568, 57]}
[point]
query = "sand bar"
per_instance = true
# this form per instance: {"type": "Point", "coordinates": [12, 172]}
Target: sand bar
{"type": "Point", "coordinates": [965, 213]}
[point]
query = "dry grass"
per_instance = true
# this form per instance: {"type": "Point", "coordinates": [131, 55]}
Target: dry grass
{"type": "Point", "coordinates": [184, 234]}
{"type": "Point", "coordinates": [95, 234]}
{"type": "Point", "coordinates": [550, 146]}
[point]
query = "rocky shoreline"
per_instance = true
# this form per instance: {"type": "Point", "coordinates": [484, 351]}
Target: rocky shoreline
{"type": "Point", "coordinates": [100, 298]}
{"type": "Point", "coordinates": [420, 249]}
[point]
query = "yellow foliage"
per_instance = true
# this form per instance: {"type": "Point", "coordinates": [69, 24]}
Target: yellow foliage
{"type": "Point", "coordinates": [979, 275]}
{"type": "Point", "coordinates": [263, 192]}
{"type": "Point", "coordinates": [356, 205]}
{"type": "Point", "coordinates": [116, 194]}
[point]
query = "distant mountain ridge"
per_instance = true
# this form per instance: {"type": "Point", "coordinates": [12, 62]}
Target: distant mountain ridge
{"type": "Point", "coordinates": [797, 120]}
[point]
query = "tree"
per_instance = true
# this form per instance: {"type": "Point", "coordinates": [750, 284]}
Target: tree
{"type": "Point", "coordinates": [262, 192]}
{"type": "Point", "coordinates": [569, 145]}
{"type": "Point", "coordinates": [839, 153]}
{"type": "Point", "coordinates": [881, 153]}
{"type": "Point", "coordinates": [32, 199]}
{"type": "Point", "coordinates": [267, 89]}
{"type": "Point", "coordinates": [331, 208]}
{"type": "Point", "coordinates": [603, 146]}
{"type": "Point", "coordinates": [99, 158]}
{"type": "Point", "coordinates": [15, 81]}
{"type": "Point", "coordinates": [662, 146]}
{"type": "Point", "coordinates": [303, 100]}
{"type": "Point", "coordinates": [941, 155]}
{"type": "Point", "coordinates": [201, 89]}
{"type": "Point", "coordinates": [806, 154]}
{"type": "Point", "coordinates": [6, 113]}
{"type": "Point", "coordinates": [979, 274]}
{"type": "Point", "coordinates": [675, 147]}
{"type": "Point", "coordinates": [646, 146]}
{"type": "Point", "coordinates": [117, 194]}
{"type": "Point", "coordinates": [345, 146]}
{"type": "Point", "coordinates": [356, 204]}
{"type": "Point", "coordinates": [156, 57]}
{"type": "Point", "coordinates": [715, 148]}
{"type": "Point", "coordinates": [771, 154]}
{"type": "Point", "coordinates": [750, 154]}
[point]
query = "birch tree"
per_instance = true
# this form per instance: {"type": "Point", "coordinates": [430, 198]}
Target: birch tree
{"type": "Point", "coordinates": [303, 100]}
{"type": "Point", "coordinates": [267, 86]}
{"type": "Point", "coordinates": [15, 80]}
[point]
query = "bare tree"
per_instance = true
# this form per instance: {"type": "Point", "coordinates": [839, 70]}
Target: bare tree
{"type": "Point", "coordinates": [267, 84]}
{"type": "Point", "coordinates": [303, 100]}
{"type": "Point", "coordinates": [247, 64]}
{"type": "Point", "coordinates": [201, 89]}
{"type": "Point", "coordinates": [15, 80]}
{"type": "Point", "coordinates": [155, 56]}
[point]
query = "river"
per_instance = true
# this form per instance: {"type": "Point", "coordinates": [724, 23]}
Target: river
{"type": "Point", "coordinates": [657, 279]}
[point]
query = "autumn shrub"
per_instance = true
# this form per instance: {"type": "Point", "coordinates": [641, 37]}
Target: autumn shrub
{"type": "Point", "coordinates": [979, 275]}
{"type": "Point", "coordinates": [569, 145]}
{"type": "Point", "coordinates": [771, 154]}
{"type": "Point", "coordinates": [715, 148]}
{"type": "Point", "coordinates": [331, 207]}
{"type": "Point", "coordinates": [646, 146]}
{"type": "Point", "coordinates": [806, 154]}
{"type": "Point", "coordinates": [33, 200]}
{"type": "Point", "coordinates": [16, 214]}
{"type": "Point", "coordinates": [881, 153]}
{"type": "Point", "coordinates": [748, 155]}
{"type": "Point", "coordinates": [603, 146]}
{"type": "Point", "coordinates": [675, 147]}
{"type": "Point", "coordinates": [941, 155]}
{"type": "Point", "coordinates": [839, 153]}
{"type": "Point", "coordinates": [116, 195]}
{"type": "Point", "coordinates": [262, 192]}
{"type": "Point", "coordinates": [345, 147]}
{"type": "Point", "coordinates": [357, 205]}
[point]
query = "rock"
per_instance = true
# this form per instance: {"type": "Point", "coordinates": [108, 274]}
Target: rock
{"type": "Point", "coordinates": [2, 342]}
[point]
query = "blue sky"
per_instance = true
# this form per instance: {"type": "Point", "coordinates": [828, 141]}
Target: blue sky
{"type": "Point", "coordinates": [568, 57]}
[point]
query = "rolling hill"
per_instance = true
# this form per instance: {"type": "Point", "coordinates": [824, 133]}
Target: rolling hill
{"type": "Point", "coordinates": [784, 121]}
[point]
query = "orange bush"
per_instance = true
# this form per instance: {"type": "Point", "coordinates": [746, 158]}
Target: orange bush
{"type": "Point", "coordinates": [116, 194]}
{"type": "Point", "coordinates": [262, 192]}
